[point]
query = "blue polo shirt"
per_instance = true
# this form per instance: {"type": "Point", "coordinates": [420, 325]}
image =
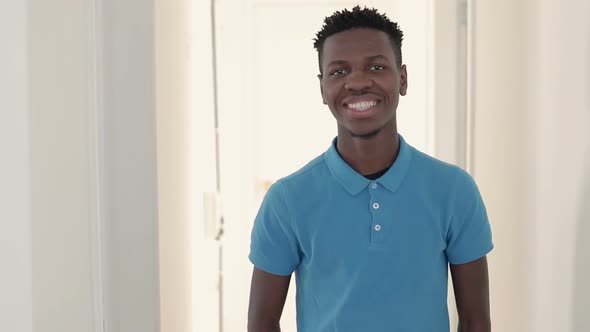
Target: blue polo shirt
{"type": "Point", "coordinates": [371, 255]}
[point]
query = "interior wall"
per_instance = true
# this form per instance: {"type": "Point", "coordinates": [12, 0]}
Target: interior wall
{"type": "Point", "coordinates": [59, 67]}
{"type": "Point", "coordinates": [561, 105]}
{"type": "Point", "coordinates": [532, 116]}
{"type": "Point", "coordinates": [63, 142]}
{"type": "Point", "coordinates": [46, 105]}
{"type": "Point", "coordinates": [16, 302]}
{"type": "Point", "coordinates": [503, 154]}
{"type": "Point", "coordinates": [173, 112]}
{"type": "Point", "coordinates": [132, 289]}
{"type": "Point", "coordinates": [446, 41]}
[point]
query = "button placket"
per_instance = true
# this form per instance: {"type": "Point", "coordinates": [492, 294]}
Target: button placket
{"type": "Point", "coordinates": [375, 207]}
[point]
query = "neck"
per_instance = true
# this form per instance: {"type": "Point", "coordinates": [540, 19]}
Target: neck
{"type": "Point", "coordinates": [369, 155]}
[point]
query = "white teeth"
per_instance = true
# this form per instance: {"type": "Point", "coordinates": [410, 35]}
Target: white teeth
{"type": "Point", "coordinates": [362, 106]}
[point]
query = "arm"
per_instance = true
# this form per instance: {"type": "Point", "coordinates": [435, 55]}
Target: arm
{"type": "Point", "coordinates": [471, 285]}
{"type": "Point", "coordinates": [267, 298]}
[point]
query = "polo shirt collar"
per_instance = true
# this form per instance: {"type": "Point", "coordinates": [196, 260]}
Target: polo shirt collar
{"type": "Point", "coordinates": [354, 182]}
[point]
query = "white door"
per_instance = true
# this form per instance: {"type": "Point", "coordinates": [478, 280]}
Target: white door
{"type": "Point", "coordinates": [271, 117]}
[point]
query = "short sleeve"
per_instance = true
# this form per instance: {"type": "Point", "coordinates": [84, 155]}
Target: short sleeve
{"type": "Point", "coordinates": [274, 245]}
{"type": "Point", "coordinates": [469, 236]}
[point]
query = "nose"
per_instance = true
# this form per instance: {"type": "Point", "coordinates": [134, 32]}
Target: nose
{"type": "Point", "coordinates": [358, 80]}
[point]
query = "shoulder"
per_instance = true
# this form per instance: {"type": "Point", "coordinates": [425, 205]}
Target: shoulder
{"type": "Point", "coordinates": [445, 185]}
{"type": "Point", "coordinates": [454, 184]}
{"type": "Point", "coordinates": [308, 175]}
{"type": "Point", "coordinates": [433, 164]}
{"type": "Point", "coordinates": [437, 172]}
{"type": "Point", "coordinates": [302, 190]}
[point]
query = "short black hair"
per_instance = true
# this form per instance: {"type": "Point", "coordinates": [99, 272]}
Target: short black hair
{"type": "Point", "coordinates": [359, 18]}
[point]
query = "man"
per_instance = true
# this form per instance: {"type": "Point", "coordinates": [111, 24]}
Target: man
{"type": "Point", "coordinates": [371, 226]}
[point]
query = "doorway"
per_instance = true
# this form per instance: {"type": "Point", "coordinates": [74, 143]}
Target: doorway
{"type": "Point", "coordinates": [270, 120]}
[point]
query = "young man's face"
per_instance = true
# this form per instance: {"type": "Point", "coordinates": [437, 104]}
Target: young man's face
{"type": "Point", "coordinates": [361, 82]}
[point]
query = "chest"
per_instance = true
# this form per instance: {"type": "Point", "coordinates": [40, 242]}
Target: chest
{"type": "Point", "coordinates": [375, 226]}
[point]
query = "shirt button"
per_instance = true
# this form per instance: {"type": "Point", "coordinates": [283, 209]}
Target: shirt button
{"type": "Point", "coordinates": [374, 186]}
{"type": "Point", "coordinates": [375, 206]}
{"type": "Point", "coordinates": [377, 228]}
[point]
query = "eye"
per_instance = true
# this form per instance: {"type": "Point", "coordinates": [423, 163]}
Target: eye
{"type": "Point", "coordinates": [376, 67]}
{"type": "Point", "coordinates": [338, 72]}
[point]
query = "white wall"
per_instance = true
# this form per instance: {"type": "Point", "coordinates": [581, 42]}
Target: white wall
{"type": "Point", "coordinates": [448, 134]}
{"type": "Point", "coordinates": [55, 138]}
{"type": "Point", "coordinates": [16, 302]}
{"type": "Point", "coordinates": [45, 103]}
{"type": "Point", "coordinates": [561, 123]}
{"type": "Point", "coordinates": [502, 155]}
{"type": "Point", "coordinates": [173, 153]}
{"type": "Point", "coordinates": [172, 59]}
{"type": "Point", "coordinates": [531, 159]}
{"type": "Point", "coordinates": [78, 125]}
{"type": "Point", "coordinates": [46, 108]}
{"type": "Point", "coordinates": [59, 99]}
{"type": "Point", "coordinates": [130, 179]}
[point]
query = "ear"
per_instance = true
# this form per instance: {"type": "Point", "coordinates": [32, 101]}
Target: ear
{"type": "Point", "coordinates": [403, 82]}
{"type": "Point", "coordinates": [322, 89]}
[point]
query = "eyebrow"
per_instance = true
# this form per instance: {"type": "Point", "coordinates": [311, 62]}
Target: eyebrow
{"type": "Point", "coordinates": [378, 57]}
{"type": "Point", "coordinates": [369, 58]}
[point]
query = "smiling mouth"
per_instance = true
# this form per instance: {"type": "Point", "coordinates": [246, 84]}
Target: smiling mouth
{"type": "Point", "coordinates": [361, 106]}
